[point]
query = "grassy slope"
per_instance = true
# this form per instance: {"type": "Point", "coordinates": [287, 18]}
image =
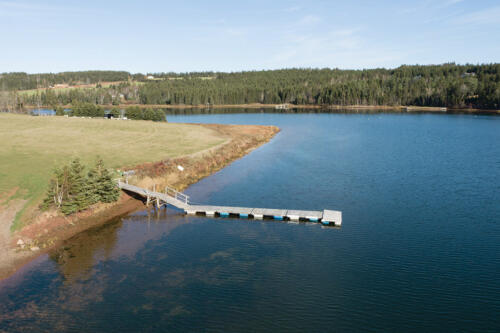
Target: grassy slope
{"type": "Point", "coordinates": [32, 146]}
{"type": "Point", "coordinates": [31, 92]}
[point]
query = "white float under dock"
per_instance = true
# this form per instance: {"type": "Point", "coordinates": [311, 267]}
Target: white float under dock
{"type": "Point", "coordinates": [180, 200]}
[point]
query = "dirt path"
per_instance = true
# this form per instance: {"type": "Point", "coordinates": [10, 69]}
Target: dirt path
{"type": "Point", "coordinates": [8, 255]}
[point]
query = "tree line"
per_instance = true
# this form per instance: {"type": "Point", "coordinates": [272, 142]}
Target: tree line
{"type": "Point", "coordinates": [71, 189]}
{"type": "Point", "coordinates": [97, 111]}
{"type": "Point", "coordinates": [447, 85]}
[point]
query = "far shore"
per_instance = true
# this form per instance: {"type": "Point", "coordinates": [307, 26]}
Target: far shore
{"type": "Point", "coordinates": [398, 108]}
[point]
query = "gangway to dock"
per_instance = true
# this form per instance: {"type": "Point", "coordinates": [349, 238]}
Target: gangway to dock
{"type": "Point", "coordinates": [180, 200]}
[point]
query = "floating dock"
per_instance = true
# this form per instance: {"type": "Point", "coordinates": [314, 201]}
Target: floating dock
{"type": "Point", "coordinates": [180, 200]}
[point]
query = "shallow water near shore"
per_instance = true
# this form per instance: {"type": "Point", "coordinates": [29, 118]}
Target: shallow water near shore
{"type": "Point", "coordinates": [419, 248]}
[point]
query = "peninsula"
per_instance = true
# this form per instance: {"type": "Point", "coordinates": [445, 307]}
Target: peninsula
{"type": "Point", "coordinates": [34, 146]}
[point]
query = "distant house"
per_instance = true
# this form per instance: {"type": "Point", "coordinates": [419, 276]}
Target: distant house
{"type": "Point", "coordinates": [150, 77]}
{"type": "Point", "coordinates": [282, 106]}
{"type": "Point", "coordinates": [466, 74]}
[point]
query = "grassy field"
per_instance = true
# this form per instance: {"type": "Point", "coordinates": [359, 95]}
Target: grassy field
{"type": "Point", "coordinates": [57, 90]}
{"type": "Point", "coordinates": [33, 146]}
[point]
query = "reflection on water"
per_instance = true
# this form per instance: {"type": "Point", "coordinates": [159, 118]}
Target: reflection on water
{"type": "Point", "coordinates": [418, 250]}
{"type": "Point", "coordinates": [76, 258]}
{"type": "Point", "coordinates": [79, 254]}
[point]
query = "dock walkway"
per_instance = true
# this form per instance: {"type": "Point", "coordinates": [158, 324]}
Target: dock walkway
{"type": "Point", "coordinates": [181, 201]}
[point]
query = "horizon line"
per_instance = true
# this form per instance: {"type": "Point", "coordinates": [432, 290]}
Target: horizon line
{"type": "Point", "coordinates": [257, 70]}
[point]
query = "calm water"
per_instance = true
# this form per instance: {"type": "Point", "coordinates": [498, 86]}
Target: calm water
{"type": "Point", "coordinates": [419, 249]}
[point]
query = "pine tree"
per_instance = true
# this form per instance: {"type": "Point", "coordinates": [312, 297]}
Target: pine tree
{"type": "Point", "coordinates": [116, 112]}
{"type": "Point", "coordinates": [59, 111]}
{"type": "Point", "coordinates": [77, 197]}
{"type": "Point", "coordinates": [108, 190]}
{"type": "Point", "coordinates": [92, 186]}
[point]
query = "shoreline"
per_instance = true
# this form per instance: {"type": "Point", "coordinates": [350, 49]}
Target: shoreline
{"type": "Point", "coordinates": [398, 108]}
{"type": "Point", "coordinates": [49, 230]}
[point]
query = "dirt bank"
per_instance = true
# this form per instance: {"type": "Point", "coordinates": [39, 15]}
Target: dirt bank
{"type": "Point", "coordinates": [49, 229]}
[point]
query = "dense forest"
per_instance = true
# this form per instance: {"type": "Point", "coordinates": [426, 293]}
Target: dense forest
{"type": "Point", "coordinates": [447, 85]}
{"type": "Point", "coordinates": [443, 85]}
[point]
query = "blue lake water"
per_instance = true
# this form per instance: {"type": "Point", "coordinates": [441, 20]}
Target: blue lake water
{"type": "Point", "coordinates": [419, 248]}
{"type": "Point", "coordinates": [43, 112]}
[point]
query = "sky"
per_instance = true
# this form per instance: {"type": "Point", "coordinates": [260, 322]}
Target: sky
{"type": "Point", "coordinates": [183, 36]}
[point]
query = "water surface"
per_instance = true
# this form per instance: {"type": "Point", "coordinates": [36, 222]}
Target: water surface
{"type": "Point", "coordinates": [419, 248]}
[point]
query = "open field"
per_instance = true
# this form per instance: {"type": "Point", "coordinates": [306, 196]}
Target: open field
{"type": "Point", "coordinates": [33, 146]}
{"type": "Point", "coordinates": [31, 92]}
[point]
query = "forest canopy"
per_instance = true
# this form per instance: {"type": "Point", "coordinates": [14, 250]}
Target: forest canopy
{"type": "Point", "coordinates": [447, 85]}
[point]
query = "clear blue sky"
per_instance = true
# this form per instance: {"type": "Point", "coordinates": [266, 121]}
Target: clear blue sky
{"type": "Point", "coordinates": [160, 36]}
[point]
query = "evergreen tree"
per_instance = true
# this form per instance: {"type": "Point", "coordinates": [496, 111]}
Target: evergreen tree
{"type": "Point", "coordinates": [134, 112]}
{"type": "Point", "coordinates": [107, 189]}
{"type": "Point", "coordinates": [92, 186]}
{"type": "Point", "coordinates": [147, 114]}
{"type": "Point", "coordinates": [77, 196]}
{"type": "Point", "coordinates": [59, 111]}
{"type": "Point", "coordinates": [116, 112]}
{"type": "Point", "coordinates": [159, 115]}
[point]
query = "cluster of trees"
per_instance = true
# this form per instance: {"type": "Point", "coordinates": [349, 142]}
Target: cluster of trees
{"type": "Point", "coordinates": [72, 190]}
{"type": "Point", "coordinates": [23, 81]}
{"type": "Point", "coordinates": [97, 111]}
{"type": "Point", "coordinates": [137, 113]}
{"type": "Point", "coordinates": [86, 110]}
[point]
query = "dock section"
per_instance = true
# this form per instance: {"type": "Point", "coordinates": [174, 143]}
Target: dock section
{"type": "Point", "coordinates": [180, 200]}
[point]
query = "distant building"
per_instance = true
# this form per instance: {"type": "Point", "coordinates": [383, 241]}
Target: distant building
{"type": "Point", "coordinates": [150, 77]}
{"type": "Point", "coordinates": [466, 74]}
{"type": "Point", "coordinates": [282, 106]}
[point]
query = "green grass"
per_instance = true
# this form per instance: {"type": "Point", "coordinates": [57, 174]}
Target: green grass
{"type": "Point", "coordinates": [31, 147]}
